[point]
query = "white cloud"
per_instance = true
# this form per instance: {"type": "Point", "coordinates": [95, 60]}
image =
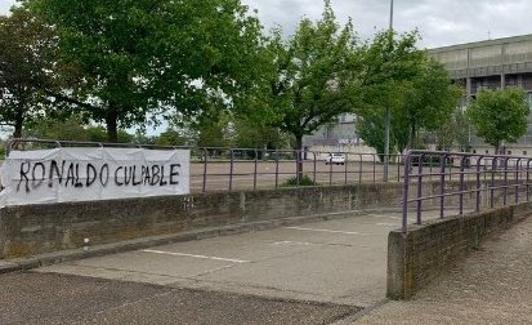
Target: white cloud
{"type": "Point", "coordinates": [5, 5]}
{"type": "Point", "coordinates": [441, 22]}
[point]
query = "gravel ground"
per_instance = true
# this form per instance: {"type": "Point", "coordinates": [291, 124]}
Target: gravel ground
{"type": "Point", "coordinates": [494, 286]}
{"type": "Point", "coordinates": [36, 298]}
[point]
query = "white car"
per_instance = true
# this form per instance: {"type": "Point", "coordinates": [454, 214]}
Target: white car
{"type": "Point", "coordinates": [335, 159]}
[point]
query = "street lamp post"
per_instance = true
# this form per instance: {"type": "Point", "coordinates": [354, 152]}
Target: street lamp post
{"type": "Point", "coordinates": [387, 117]}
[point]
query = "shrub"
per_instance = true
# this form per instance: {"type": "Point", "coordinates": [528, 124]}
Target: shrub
{"type": "Point", "coordinates": [305, 181]}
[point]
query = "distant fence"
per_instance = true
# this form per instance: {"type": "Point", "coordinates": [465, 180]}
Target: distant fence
{"type": "Point", "coordinates": [466, 181]}
{"type": "Point", "coordinates": [229, 169]}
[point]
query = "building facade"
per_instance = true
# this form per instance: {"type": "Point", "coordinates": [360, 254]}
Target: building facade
{"type": "Point", "coordinates": [491, 64]}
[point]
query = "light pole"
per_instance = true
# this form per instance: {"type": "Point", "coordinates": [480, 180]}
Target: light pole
{"type": "Point", "coordinates": [387, 117]}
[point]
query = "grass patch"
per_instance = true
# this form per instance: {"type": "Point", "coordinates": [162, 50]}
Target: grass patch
{"type": "Point", "coordinates": [304, 181]}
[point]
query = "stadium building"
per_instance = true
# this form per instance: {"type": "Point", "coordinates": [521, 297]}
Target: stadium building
{"type": "Point", "coordinates": [491, 64]}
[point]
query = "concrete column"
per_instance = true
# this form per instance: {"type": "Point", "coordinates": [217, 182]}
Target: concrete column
{"type": "Point", "coordinates": [469, 88]}
{"type": "Point", "coordinates": [503, 74]}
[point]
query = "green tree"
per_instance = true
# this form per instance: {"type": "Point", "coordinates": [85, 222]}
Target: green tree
{"type": "Point", "coordinates": [416, 89]}
{"type": "Point", "coordinates": [430, 100]}
{"type": "Point", "coordinates": [370, 116]}
{"type": "Point", "coordinates": [170, 137]}
{"type": "Point", "coordinates": [311, 77]}
{"type": "Point", "coordinates": [26, 65]}
{"type": "Point", "coordinates": [500, 115]}
{"type": "Point", "coordinates": [256, 134]}
{"type": "Point", "coordinates": [454, 133]}
{"type": "Point", "coordinates": [389, 61]}
{"type": "Point", "coordinates": [72, 129]}
{"type": "Point", "coordinates": [214, 130]}
{"type": "Point", "coordinates": [133, 58]}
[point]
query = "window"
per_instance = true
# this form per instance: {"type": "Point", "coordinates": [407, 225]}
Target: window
{"type": "Point", "coordinates": [509, 152]}
{"type": "Point", "coordinates": [525, 153]}
{"type": "Point", "coordinates": [474, 151]}
{"type": "Point", "coordinates": [487, 152]}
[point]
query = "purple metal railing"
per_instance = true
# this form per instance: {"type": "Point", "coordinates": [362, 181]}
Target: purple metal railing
{"type": "Point", "coordinates": [227, 169]}
{"type": "Point", "coordinates": [474, 179]}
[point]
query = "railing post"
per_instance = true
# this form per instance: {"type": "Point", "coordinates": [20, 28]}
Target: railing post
{"type": "Point", "coordinates": [462, 184]}
{"type": "Point", "coordinates": [298, 167]}
{"type": "Point", "coordinates": [406, 189]}
{"type": "Point", "coordinates": [442, 184]}
{"type": "Point", "coordinates": [419, 202]}
{"type": "Point", "coordinates": [528, 179]}
{"type": "Point", "coordinates": [505, 199]}
{"type": "Point", "coordinates": [375, 168]}
{"type": "Point", "coordinates": [231, 170]}
{"type": "Point", "coordinates": [331, 170]}
{"type": "Point", "coordinates": [479, 183]}
{"type": "Point", "coordinates": [255, 170]}
{"type": "Point", "coordinates": [315, 167]}
{"type": "Point", "coordinates": [517, 171]}
{"type": "Point", "coordinates": [451, 169]}
{"type": "Point", "coordinates": [398, 162]}
{"type": "Point", "coordinates": [430, 167]}
{"type": "Point", "coordinates": [205, 155]}
{"type": "Point", "coordinates": [346, 166]}
{"type": "Point", "coordinates": [276, 168]}
{"type": "Point", "coordinates": [360, 167]}
{"type": "Point", "coordinates": [492, 189]}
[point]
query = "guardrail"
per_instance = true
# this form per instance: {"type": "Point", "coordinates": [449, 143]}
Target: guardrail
{"type": "Point", "coordinates": [475, 177]}
{"type": "Point", "coordinates": [227, 169]}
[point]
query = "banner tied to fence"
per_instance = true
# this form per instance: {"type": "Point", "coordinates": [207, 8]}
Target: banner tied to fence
{"type": "Point", "coordinates": [91, 174]}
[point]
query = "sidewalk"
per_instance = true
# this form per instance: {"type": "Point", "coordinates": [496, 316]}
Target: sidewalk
{"type": "Point", "coordinates": [494, 286]}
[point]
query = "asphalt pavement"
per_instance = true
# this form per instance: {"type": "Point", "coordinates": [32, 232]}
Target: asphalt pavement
{"type": "Point", "coordinates": [36, 298]}
{"type": "Point", "coordinates": [315, 273]}
{"type": "Point", "coordinates": [493, 286]}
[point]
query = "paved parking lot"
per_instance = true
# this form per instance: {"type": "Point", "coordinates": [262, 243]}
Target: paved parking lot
{"type": "Point", "coordinates": [35, 299]}
{"type": "Point", "coordinates": [315, 273]}
{"type": "Point", "coordinates": [218, 179]}
{"type": "Point", "coordinates": [338, 261]}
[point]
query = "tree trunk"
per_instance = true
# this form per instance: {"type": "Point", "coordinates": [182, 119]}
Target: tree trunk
{"type": "Point", "coordinates": [19, 124]}
{"type": "Point", "coordinates": [412, 140]}
{"type": "Point", "coordinates": [112, 125]}
{"type": "Point", "coordinates": [299, 158]}
{"type": "Point", "coordinates": [18, 129]}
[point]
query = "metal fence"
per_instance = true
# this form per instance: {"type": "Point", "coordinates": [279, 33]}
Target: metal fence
{"type": "Point", "coordinates": [466, 182]}
{"type": "Point", "coordinates": [229, 169]}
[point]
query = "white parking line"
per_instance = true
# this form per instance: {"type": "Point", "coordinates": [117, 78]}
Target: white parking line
{"type": "Point", "coordinates": [232, 260]}
{"type": "Point", "coordinates": [324, 230]}
{"type": "Point", "coordinates": [291, 243]}
{"type": "Point", "coordinates": [392, 225]}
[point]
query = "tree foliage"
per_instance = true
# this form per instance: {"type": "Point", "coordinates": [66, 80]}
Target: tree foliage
{"type": "Point", "coordinates": [71, 129]}
{"type": "Point", "coordinates": [500, 115]}
{"type": "Point", "coordinates": [430, 100]}
{"type": "Point", "coordinates": [134, 57]}
{"type": "Point", "coordinates": [455, 133]}
{"type": "Point", "coordinates": [26, 68]}
{"type": "Point", "coordinates": [311, 76]}
{"type": "Point", "coordinates": [416, 89]}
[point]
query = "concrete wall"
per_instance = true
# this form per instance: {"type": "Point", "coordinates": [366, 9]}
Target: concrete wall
{"type": "Point", "coordinates": [420, 256]}
{"type": "Point", "coordinates": [37, 229]}
{"type": "Point", "coordinates": [485, 58]}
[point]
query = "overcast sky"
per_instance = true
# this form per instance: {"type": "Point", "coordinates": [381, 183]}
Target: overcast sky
{"type": "Point", "coordinates": [441, 22]}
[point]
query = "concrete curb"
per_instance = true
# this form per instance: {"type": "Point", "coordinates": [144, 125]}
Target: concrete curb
{"type": "Point", "coordinates": [24, 264]}
{"type": "Point", "coordinates": [352, 318]}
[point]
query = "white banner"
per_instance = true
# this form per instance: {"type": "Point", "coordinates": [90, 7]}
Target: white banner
{"type": "Point", "coordinates": [90, 174]}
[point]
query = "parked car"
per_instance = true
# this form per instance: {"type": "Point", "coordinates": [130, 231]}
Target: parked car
{"type": "Point", "coordinates": [335, 159]}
